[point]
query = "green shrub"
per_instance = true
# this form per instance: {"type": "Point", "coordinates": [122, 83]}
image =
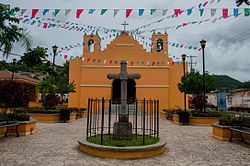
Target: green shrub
{"type": "Point", "coordinates": [196, 113]}
{"type": "Point", "coordinates": [50, 102]}
{"type": "Point", "coordinates": [232, 119]}
{"type": "Point", "coordinates": [19, 116]}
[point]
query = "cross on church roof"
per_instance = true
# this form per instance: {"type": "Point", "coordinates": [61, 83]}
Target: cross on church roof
{"type": "Point", "coordinates": [124, 24]}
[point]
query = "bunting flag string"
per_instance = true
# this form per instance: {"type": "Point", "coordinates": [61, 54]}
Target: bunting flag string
{"type": "Point", "coordinates": [128, 12]}
{"type": "Point", "coordinates": [189, 12]}
{"type": "Point", "coordinates": [184, 24]}
{"type": "Point", "coordinates": [65, 25]}
{"type": "Point", "coordinates": [93, 60]}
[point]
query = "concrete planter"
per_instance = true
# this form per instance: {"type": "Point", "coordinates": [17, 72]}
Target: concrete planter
{"type": "Point", "coordinates": [207, 121]}
{"type": "Point", "coordinates": [24, 128]}
{"type": "Point", "coordinates": [50, 117]}
{"type": "Point", "coordinates": [223, 133]}
{"type": "Point", "coordinates": [203, 120]}
{"type": "Point", "coordinates": [175, 118]}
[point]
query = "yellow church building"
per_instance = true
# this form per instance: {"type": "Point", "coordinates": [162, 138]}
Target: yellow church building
{"type": "Point", "coordinates": [159, 74]}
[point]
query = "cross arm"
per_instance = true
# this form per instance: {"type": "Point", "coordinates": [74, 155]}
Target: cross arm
{"type": "Point", "coordinates": [113, 76]}
{"type": "Point", "coordinates": [134, 76]}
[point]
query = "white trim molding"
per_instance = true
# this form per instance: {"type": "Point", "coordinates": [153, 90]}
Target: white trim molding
{"type": "Point", "coordinates": [137, 86]}
{"type": "Point", "coordinates": [132, 67]}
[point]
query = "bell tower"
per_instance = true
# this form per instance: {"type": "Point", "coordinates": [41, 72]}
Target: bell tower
{"type": "Point", "coordinates": [91, 43]}
{"type": "Point", "coordinates": [160, 42]}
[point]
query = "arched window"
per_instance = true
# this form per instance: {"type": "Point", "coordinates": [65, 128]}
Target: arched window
{"type": "Point", "coordinates": [159, 45]}
{"type": "Point", "coordinates": [91, 45]}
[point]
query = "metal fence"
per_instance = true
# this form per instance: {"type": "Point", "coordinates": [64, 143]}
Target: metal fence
{"type": "Point", "coordinates": [143, 114]}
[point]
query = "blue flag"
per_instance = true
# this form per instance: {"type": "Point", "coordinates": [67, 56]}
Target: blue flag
{"type": "Point", "coordinates": [141, 11]}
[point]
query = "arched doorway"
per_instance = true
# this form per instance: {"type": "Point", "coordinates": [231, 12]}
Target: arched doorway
{"type": "Point", "coordinates": [116, 91]}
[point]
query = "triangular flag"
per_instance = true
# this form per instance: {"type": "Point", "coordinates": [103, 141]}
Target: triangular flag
{"type": "Point", "coordinates": [115, 12]}
{"type": "Point", "coordinates": [236, 12]}
{"type": "Point", "coordinates": [65, 56]}
{"type": "Point", "coordinates": [212, 1]}
{"type": "Point", "coordinates": [45, 11]}
{"type": "Point", "coordinates": [12, 12]}
{"type": "Point", "coordinates": [225, 13]}
{"type": "Point", "coordinates": [246, 11]}
{"type": "Point", "coordinates": [23, 11]}
{"type": "Point", "coordinates": [178, 26]}
{"type": "Point", "coordinates": [205, 3]}
{"type": "Point", "coordinates": [67, 11]}
{"type": "Point", "coordinates": [189, 12]}
{"type": "Point", "coordinates": [213, 11]}
{"type": "Point", "coordinates": [45, 25]}
{"type": "Point", "coordinates": [176, 12]}
{"type": "Point", "coordinates": [34, 12]}
{"type": "Point", "coordinates": [152, 11]}
{"type": "Point", "coordinates": [164, 11]}
{"type": "Point", "coordinates": [91, 11]}
{"type": "Point", "coordinates": [184, 24]}
{"type": "Point", "coordinates": [103, 11]}
{"type": "Point", "coordinates": [141, 11]}
{"type": "Point", "coordinates": [215, 19]}
{"type": "Point", "coordinates": [56, 12]}
{"type": "Point", "coordinates": [128, 12]}
{"type": "Point", "coordinates": [79, 12]}
{"type": "Point", "coordinates": [201, 11]}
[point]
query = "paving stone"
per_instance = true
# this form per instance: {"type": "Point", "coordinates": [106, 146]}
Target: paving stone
{"type": "Point", "coordinates": [56, 144]}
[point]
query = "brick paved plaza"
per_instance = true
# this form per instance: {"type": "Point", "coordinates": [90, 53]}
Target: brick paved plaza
{"type": "Point", "coordinates": [56, 144]}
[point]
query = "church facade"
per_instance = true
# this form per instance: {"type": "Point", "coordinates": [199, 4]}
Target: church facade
{"type": "Point", "coordinates": [159, 75]}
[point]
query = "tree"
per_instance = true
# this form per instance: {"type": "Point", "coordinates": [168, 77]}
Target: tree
{"type": "Point", "coordinates": [62, 81]}
{"type": "Point", "coordinates": [9, 31]}
{"type": "Point", "coordinates": [192, 83]}
{"type": "Point", "coordinates": [245, 85]}
{"type": "Point", "coordinates": [34, 58]}
{"type": "Point", "coordinates": [14, 94]}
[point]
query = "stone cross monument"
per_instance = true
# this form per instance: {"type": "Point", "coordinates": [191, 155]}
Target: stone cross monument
{"type": "Point", "coordinates": [123, 128]}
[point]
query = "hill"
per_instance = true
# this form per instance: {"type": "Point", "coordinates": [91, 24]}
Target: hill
{"type": "Point", "coordinates": [225, 82]}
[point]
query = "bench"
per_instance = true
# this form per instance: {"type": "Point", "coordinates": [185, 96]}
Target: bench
{"type": "Point", "coordinates": [6, 123]}
{"type": "Point", "coordinates": [244, 128]}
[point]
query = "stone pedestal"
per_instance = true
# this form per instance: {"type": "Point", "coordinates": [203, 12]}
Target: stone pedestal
{"type": "Point", "coordinates": [122, 130]}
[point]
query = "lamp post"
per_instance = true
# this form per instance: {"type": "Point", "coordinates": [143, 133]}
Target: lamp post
{"type": "Point", "coordinates": [54, 48]}
{"type": "Point", "coordinates": [203, 44]}
{"type": "Point", "coordinates": [14, 68]}
{"type": "Point", "coordinates": [184, 73]}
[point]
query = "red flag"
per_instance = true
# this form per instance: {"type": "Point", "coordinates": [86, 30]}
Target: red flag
{"type": "Point", "coordinates": [172, 62]}
{"type": "Point", "coordinates": [128, 12]}
{"type": "Point", "coordinates": [225, 13]}
{"type": "Point", "coordinates": [110, 62]}
{"type": "Point", "coordinates": [132, 63]}
{"type": "Point", "coordinates": [177, 12]}
{"type": "Point", "coordinates": [45, 25]}
{"type": "Point", "coordinates": [79, 12]}
{"type": "Point", "coordinates": [88, 59]}
{"type": "Point", "coordinates": [184, 24]}
{"type": "Point", "coordinates": [65, 56]}
{"type": "Point", "coordinates": [34, 12]}
{"type": "Point", "coordinates": [19, 19]}
{"type": "Point", "coordinates": [153, 63]}
{"type": "Point", "coordinates": [205, 3]}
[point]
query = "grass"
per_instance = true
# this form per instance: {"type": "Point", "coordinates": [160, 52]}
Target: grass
{"type": "Point", "coordinates": [123, 143]}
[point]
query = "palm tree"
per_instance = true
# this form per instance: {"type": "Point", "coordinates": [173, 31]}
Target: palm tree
{"type": "Point", "coordinates": [10, 32]}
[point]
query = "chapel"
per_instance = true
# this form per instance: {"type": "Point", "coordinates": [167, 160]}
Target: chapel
{"type": "Point", "coordinates": [159, 74]}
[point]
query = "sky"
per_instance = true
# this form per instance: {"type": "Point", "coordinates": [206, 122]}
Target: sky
{"type": "Point", "coordinates": [228, 40]}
